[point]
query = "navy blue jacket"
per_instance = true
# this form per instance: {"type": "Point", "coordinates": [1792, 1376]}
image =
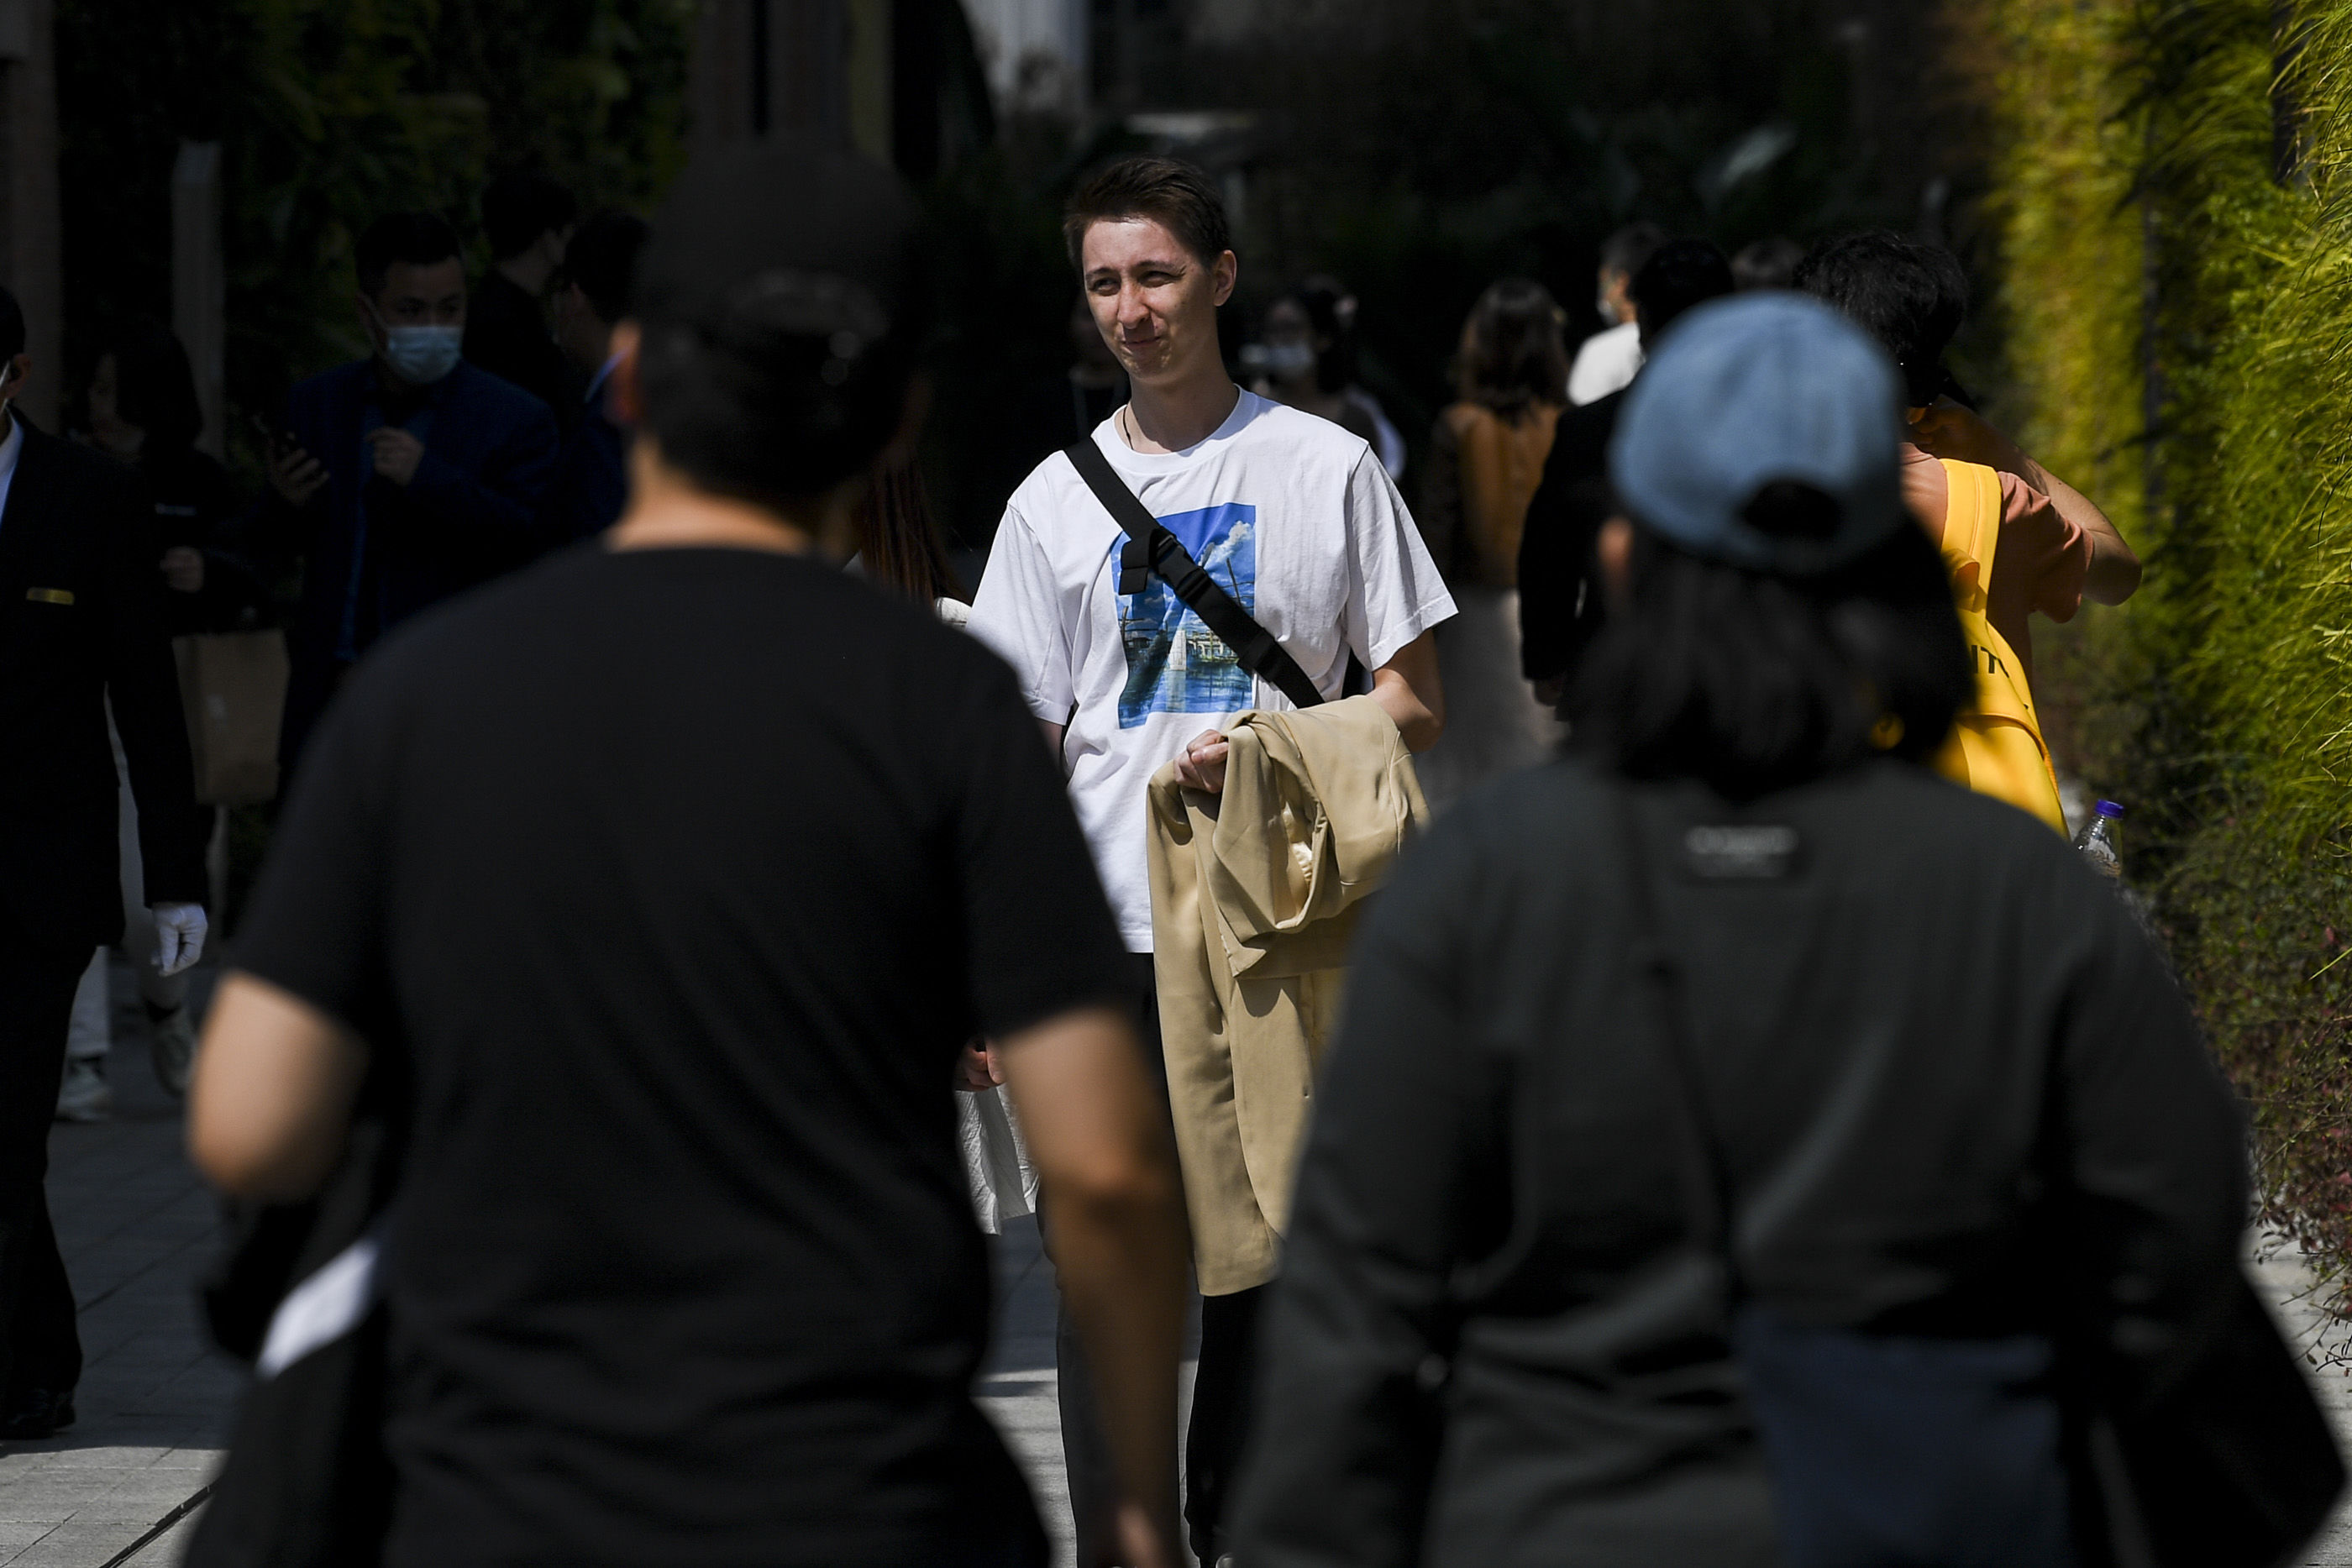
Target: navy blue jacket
{"type": "Point", "coordinates": [591, 485]}
{"type": "Point", "coordinates": [470, 513]}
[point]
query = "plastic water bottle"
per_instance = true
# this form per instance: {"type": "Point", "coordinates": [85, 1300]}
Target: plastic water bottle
{"type": "Point", "coordinates": [2097, 841]}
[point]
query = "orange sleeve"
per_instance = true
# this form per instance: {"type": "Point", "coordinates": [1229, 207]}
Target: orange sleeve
{"type": "Point", "coordinates": [2041, 557]}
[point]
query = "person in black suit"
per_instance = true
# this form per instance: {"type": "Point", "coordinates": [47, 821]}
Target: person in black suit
{"type": "Point", "coordinates": [529, 220]}
{"type": "Point", "coordinates": [82, 626]}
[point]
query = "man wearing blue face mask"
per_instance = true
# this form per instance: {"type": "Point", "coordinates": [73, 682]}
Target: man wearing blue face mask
{"type": "Point", "coordinates": [403, 478]}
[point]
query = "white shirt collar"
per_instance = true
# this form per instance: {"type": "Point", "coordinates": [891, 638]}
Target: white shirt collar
{"type": "Point", "coordinates": [11, 448]}
{"type": "Point", "coordinates": [602, 375]}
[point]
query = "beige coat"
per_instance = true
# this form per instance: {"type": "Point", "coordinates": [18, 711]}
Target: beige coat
{"type": "Point", "coordinates": [1254, 893]}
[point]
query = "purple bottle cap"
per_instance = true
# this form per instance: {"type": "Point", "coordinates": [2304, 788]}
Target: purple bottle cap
{"type": "Point", "coordinates": [2108, 810]}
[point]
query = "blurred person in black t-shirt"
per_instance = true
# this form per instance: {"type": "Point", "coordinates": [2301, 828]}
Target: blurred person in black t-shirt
{"type": "Point", "coordinates": [528, 218]}
{"type": "Point", "coordinates": [1560, 608]}
{"type": "Point", "coordinates": [669, 879]}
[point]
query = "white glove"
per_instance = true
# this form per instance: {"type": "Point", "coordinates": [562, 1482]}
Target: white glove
{"type": "Point", "coordinates": [179, 935]}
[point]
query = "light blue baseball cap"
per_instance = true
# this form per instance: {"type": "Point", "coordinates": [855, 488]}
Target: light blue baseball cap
{"type": "Point", "coordinates": [1751, 391]}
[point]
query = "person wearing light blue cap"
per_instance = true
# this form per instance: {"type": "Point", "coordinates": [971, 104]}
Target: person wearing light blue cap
{"type": "Point", "coordinates": [1732, 1119]}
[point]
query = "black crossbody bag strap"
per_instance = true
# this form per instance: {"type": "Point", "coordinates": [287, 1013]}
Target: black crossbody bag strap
{"type": "Point", "coordinates": [1152, 548]}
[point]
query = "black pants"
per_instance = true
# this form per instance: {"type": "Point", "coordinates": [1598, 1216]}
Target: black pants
{"type": "Point", "coordinates": [1220, 1390]}
{"type": "Point", "coordinates": [40, 1348]}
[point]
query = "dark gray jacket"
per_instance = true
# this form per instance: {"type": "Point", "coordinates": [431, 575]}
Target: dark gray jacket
{"type": "Point", "coordinates": [1955, 1088]}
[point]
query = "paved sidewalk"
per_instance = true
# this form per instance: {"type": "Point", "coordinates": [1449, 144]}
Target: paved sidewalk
{"type": "Point", "coordinates": [118, 1490]}
{"type": "Point", "coordinates": [136, 1228]}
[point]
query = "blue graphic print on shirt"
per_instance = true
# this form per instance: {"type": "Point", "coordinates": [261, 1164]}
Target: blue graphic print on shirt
{"type": "Point", "coordinates": [1174, 663]}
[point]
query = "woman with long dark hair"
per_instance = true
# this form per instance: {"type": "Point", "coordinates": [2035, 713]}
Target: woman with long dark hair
{"type": "Point", "coordinates": [898, 544]}
{"type": "Point", "coordinates": [1743, 1147]}
{"type": "Point", "coordinates": [1485, 461]}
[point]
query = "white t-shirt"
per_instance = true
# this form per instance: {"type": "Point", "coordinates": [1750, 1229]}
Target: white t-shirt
{"type": "Point", "coordinates": [1294, 516]}
{"type": "Point", "coordinates": [1605, 362]}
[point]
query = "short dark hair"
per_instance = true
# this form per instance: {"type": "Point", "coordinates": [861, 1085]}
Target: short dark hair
{"type": "Point", "coordinates": [1168, 190]}
{"type": "Point", "coordinates": [600, 260]}
{"type": "Point", "coordinates": [1678, 276]}
{"type": "Point", "coordinates": [419, 239]}
{"type": "Point", "coordinates": [1516, 355]}
{"type": "Point", "coordinates": [782, 302]}
{"type": "Point", "coordinates": [1753, 683]}
{"type": "Point", "coordinates": [518, 206]}
{"type": "Point", "coordinates": [1910, 297]}
{"type": "Point", "coordinates": [12, 326]}
{"type": "Point", "coordinates": [1768, 263]}
{"type": "Point", "coordinates": [155, 389]}
{"type": "Point", "coordinates": [1629, 247]}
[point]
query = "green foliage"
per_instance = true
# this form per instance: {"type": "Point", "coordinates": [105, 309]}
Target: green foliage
{"type": "Point", "coordinates": [331, 112]}
{"type": "Point", "coordinates": [2156, 255]}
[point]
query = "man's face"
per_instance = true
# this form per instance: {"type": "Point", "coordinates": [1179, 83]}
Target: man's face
{"type": "Point", "coordinates": [431, 295]}
{"type": "Point", "coordinates": [1154, 301]}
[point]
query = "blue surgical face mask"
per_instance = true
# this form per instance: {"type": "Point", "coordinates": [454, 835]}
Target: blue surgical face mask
{"type": "Point", "coordinates": [420, 355]}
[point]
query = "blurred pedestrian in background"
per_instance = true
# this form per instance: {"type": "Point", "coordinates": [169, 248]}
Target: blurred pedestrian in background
{"type": "Point", "coordinates": [140, 408]}
{"type": "Point", "coordinates": [1606, 362]}
{"type": "Point", "coordinates": [1741, 1141]}
{"type": "Point", "coordinates": [1095, 384]}
{"type": "Point", "coordinates": [1298, 524]}
{"type": "Point", "coordinates": [528, 219]}
{"type": "Point", "coordinates": [1347, 366]}
{"type": "Point", "coordinates": [2015, 538]}
{"type": "Point", "coordinates": [1560, 608]}
{"type": "Point", "coordinates": [1769, 263]}
{"type": "Point", "coordinates": [1305, 359]}
{"type": "Point", "coordinates": [898, 545]}
{"type": "Point", "coordinates": [591, 482]}
{"type": "Point", "coordinates": [400, 480]}
{"type": "Point", "coordinates": [1486, 457]}
{"type": "Point", "coordinates": [2057, 547]}
{"type": "Point", "coordinates": [664, 885]}
{"type": "Point", "coordinates": [83, 631]}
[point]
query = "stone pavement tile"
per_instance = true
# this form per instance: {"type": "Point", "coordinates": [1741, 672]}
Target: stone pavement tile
{"type": "Point", "coordinates": [136, 1227]}
{"type": "Point", "coordinates": [166, 1550]}
{"type": "Point", "coordinates": [16, 1534]}
{"type": "Point", "coordinates": [51, 1493]}
{"type": "Point", "coordinates": [78, 1543]}
{"type": "Point", "coordinates": [103, 1457]}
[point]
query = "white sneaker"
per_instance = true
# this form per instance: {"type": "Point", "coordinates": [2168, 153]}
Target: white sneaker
{"type": "Point", "coordinates": [174, 1051]}
{"type": "Point", "coordinates": [85, 1095]}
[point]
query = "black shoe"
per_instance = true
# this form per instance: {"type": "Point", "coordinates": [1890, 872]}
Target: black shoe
{"type": "Point", "coordinates": [40, 1414]}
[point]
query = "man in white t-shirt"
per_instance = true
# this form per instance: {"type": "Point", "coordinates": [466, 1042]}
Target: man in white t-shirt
{"type": "Point", "coordinates": [1295, 519]}
{"type": "Point", "coordinates": [1608, 360]}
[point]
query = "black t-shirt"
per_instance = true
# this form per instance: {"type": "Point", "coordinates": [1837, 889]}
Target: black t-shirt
{"type": "Point", "coordinates": [506, 334]}
{"type": "Point", "coordinates": [1559, 605]}
{"type": "Point", "coordinates": [674, 881]}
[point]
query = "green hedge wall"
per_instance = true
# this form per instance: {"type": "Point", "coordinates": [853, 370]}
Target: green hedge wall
{"type": "Point", "coordinates": [2172, 201]}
